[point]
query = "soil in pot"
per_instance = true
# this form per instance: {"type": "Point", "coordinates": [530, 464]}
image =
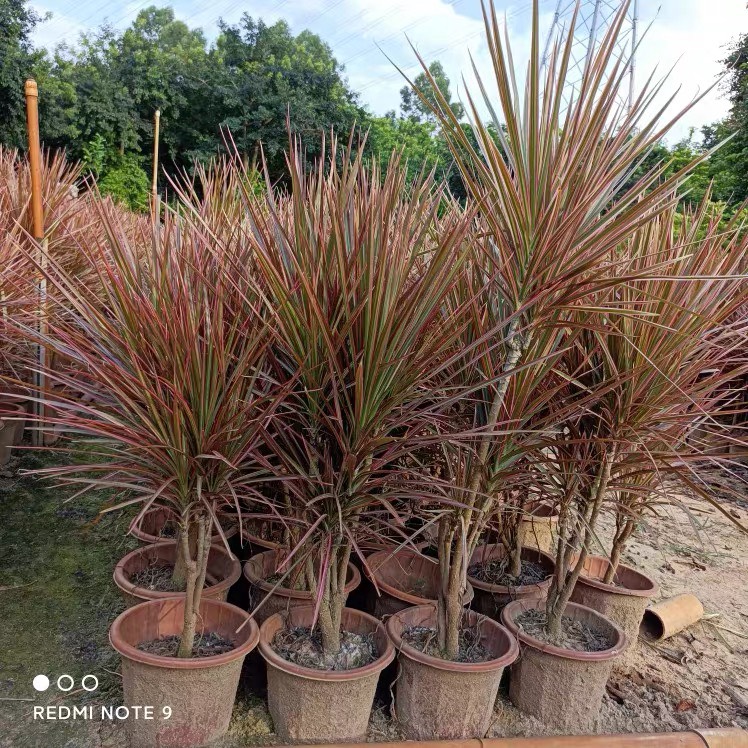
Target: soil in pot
{"type": "Point", "coordinates": [145, 574]}
{"type": "Point", "coordinates": [200, 690]}
{"type": "Point", "coordinates": [160, 523]}
{"type": "Point", "coordinates": [624, 601]}
{"type": "Point", "coordinates": [310, 705]}
{"type": "Point", "coordinates": [268, 596]}
{"type": "Point", "coordinates": [442, 699]}
{"type": "Point", "coordinates": [495, 587]}
{"type": "Point", "coordinates": [404, 578]}
{"type": "Point", "coordinates": [563, 687]}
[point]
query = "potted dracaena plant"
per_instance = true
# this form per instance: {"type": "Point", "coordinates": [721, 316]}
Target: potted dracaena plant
{"type": "Point", "coordinates": [551, 174]}
{"type": "Point", "coordinates": [166, 401]}
{"type": "Point", "coordinates": [356, 264]}
{"type": "Point", "coordinates": [669, 357]}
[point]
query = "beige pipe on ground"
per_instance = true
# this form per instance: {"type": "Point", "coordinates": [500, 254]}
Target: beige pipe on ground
{"type": "Point", "coordinates": [720, 738]}
{"type": "Point", "coordinates": [670, 616]}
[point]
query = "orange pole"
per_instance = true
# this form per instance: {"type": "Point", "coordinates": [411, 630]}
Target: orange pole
{"type": "Point", "coordinates": [37, 215]}
{"type": "Point", "coordinates": [718, 738]}
{"type": "Point", "coordinates": [35, 157]}
{"type": "Point", "coordinates": [154, 182]}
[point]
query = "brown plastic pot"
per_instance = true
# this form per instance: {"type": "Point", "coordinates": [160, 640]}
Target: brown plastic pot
{"type": "Point", "coordinates": [11, 421]}
{"type": "Point", "coordinates": [149, 528]}
{"type": "Point", "coordinates": [223, 571]}
{"type": "Point", "coordinates": [670, 616]}
{"type": "Point", "coordinates": [252, 530]}
{"type": "Point", "coordinates": [491, 599]}
{"type": "Point", "coordinates": [199, 691]}
{"type": "Point", "coordinates": [321, 706]}
{"type": "Point", "coordinates": [404, 579]}
{"type": "Point", "coordinates": [623, 602]}
{"type": "Point", "coordinates": [441, 699]}
{"type": "Point", "coordinates": [562, 688]}
{"type": "Point", "coordinates": [17, 398]}
{"type": "Point", "coordinates": [264, 565]}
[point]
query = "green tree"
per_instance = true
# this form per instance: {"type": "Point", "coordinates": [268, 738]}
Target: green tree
{"type": "Point", "coordinates": [17, 21]}
{"type": "Point", "coordinates": [412, 105]}
{"type": "Point", "coordinates": [264, 74]}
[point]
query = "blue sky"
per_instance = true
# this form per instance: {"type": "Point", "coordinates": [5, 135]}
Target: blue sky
{"type": "Point", "coordinates": [688, 34]}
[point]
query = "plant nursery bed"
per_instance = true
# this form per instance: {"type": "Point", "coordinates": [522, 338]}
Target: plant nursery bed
{"type": "Point", "coordinates": [424, 640]}
{"type": "Point", "coordinates": [302, 646]}
{"type": "Point", "coordinates": [207, 645]}
{"type": "Point", "coordinates": [57, 600]}
{"type": "Point", "coordinates": [574, 634]}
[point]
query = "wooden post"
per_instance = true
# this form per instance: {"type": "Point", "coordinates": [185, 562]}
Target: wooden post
{"type": "Point", "coordinates": [37, 214]}
{"type": "Point", "coordinates": [154, 182]}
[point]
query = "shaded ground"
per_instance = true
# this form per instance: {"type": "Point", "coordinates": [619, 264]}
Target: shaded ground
{"type": "Point", "coordinates": [57, 599]}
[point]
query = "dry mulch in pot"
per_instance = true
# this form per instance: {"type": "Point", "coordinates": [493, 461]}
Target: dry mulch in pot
{"type": "Point", "coordinates": [496, 571]}
{"type": "Point", "coordinates": [157, 576]}
{"type": "Point", "coordinates": [303, 647]}
{"type": "Point", "coordinates": [424, 639]}
{"type": "Point", "coordinates": [575, 635]}
{"type": "Point", "coordinates": [206, 645]}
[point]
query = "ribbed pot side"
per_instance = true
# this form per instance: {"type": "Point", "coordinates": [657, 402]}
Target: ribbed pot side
{"type": "Point", "coordinates": [273, 598]}
{"type": "Point", "coordinates": [623, 602]}
{"type": "Point", "coordinates": [439, 699]}
{"type": "Point", "coordinates": [317, 706]}
{"type": "Point", "coordinates": [405, 578]}
{"type": "Point", "coordinates": [491, 599]}
{"type": "Point", "coordinates": [223, 571]}
{"type": "Point", "coordinates": [561, 687]}
{"type": "Point", "coordinates": [200, 692]}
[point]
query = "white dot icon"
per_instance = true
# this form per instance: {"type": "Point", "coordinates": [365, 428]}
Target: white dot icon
{"type": "Point", "coordinates": [40, 682]}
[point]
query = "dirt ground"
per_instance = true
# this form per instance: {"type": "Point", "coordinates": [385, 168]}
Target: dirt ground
{"type": "Point", "coordinates": [57, 599]}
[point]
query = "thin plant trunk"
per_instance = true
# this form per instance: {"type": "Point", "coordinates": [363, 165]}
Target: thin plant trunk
{"type": "Point", "coordinates": [196, 569]}
{"type": "Point", "coordinates": [567, 571]}
{"type": "Point", "coordinates": [451, 589]}
{"type": "Point", "coordinates": [179, 573]}
{"type": "Point", "coordinates": [624, 530]}
{"type": "Point", "coordinates": [455, 549]}
{"type": "Point", "coordinates": [333, 596]}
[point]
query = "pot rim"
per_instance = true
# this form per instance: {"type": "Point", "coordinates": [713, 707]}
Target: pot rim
{"type": "Point", "coordinates": [519, 606]}
{"type": "Point", "coordinates": [613, 589]}
{"type": "Point", "coordinates": [122, 581]}
{"type": "Point", "coordinates": [146, 537]}
{"type": "Point", "coordinates": [255, 539]}
{"type": "Point", "coordinates": [396, 592]}
{"type": "Point", "coordinates": [271, 657]}
{"type": "Point", "coordinates": [353, 581]}
{"type": "Point", "coordinates": [460, 667]}
{"type": "Point", "coordinates": [11, 409]}
{"type": "Point", "coordinates": [125, 649]}
{"type": "Point", "coordinates": [502, 589]}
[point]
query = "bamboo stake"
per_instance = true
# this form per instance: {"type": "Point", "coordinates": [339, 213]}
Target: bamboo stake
{"type": "Point", "coordinates": [154, 182]}
{"type": "Point", "coordinates": [37, 213]}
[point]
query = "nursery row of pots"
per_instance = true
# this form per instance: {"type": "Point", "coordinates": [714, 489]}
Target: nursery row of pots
{"type": "Point", "coordinates": [561, 687]}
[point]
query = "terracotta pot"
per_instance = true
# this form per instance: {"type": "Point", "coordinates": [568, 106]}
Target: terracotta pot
{"type": "Point", "coordinates": [623, 602]}
{"type": "Point", "coordinates": [261, 567]}
{"type": "Point", "coordinates": [223, 571]}
{"type": "Point", "coordinates": [439, 699]}
{"type": "Point", "coordinates": [200, 691]}
{"type": "Point", "coordinates": [11, 421]}
{"type": "Point", "coordinates": [17, 398]}
{"type": "Point", "coordinates": [149, 528]}
{"type": "Point", "coordinates": [320, 706]}
{"type": "Point", "coordinates": [253, 530]}
{"type": "Point", "coordinates": [491, 599]}
{"type": "Point", "coordinates": [539, 527]}
{"type": "Point", "coordinates": [562, 688]}
{"type": "Point", "coordinates": [405, 578]}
